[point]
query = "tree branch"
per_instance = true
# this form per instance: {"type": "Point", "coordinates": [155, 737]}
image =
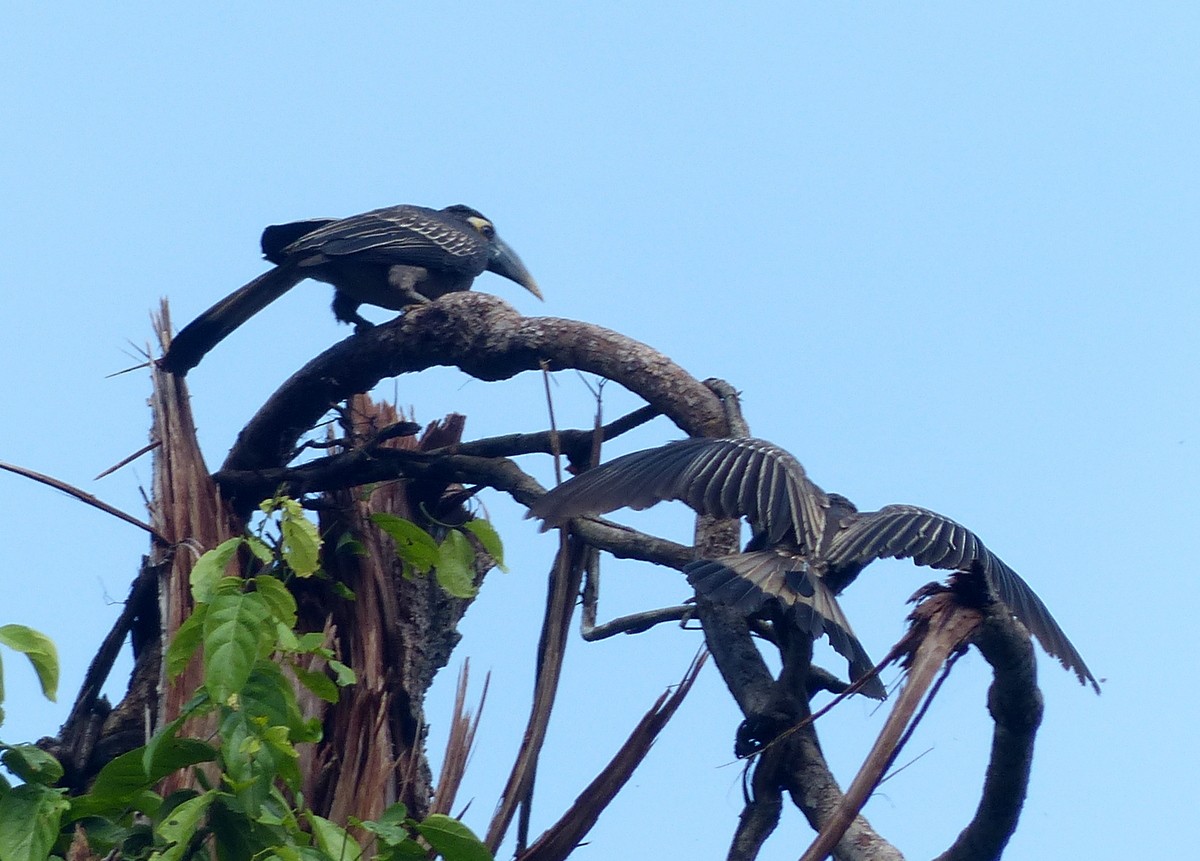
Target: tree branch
{"type": "Point", "coordinates": [565, 577]}
{"type": "Point", "coordinates": [1015, 704]}
{"type": "Point", "coordinates": [486, 338]}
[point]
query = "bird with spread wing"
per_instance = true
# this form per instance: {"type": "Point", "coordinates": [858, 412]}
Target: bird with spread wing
{"type": "Point", "coordinates": [806, 545]}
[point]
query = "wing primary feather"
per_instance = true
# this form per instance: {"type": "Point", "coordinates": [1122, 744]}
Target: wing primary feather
{"type": "Point", "coordinates": [942, 543]}
{"type": "Point", "coordinates": [747, 581]}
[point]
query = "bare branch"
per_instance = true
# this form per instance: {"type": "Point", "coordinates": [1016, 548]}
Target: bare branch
{"type": "Point", "coordinates": [636, 623]}
{"type": "Point", "coordinates": [561, 839]}
{"type": "Point", "coordinates": [82, 496]}
{"type": "Point", "coordinates": [1015, 704]}
{"type": "Point", "coordinates": [565, 577]}
{"type": "Point", "coordinates": [939, 627]}
{"type": "Point", "coordinates": [125, 461]}
{"type": "Point", "coordinates": [483, 336]}
{"type": "Point", "coordinates": [459, 742]}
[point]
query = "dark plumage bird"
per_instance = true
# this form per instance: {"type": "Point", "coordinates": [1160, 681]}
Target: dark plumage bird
{"type": "Point", "coordinates": [393, 257]}
{"type": "Point", "coordinates": [806, 546]}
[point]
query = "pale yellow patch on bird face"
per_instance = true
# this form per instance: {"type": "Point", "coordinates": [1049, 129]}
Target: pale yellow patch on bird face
{"type": "Point", "coordinates": [482, 225]}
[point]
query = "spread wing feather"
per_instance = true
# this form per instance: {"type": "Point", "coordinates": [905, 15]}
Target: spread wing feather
{"type": "Point", "coordinates": [935, 541]}
{"type": "Point", "coordinates": [749, 581]}
{"type": "Point", "coordinates": [722, 477]}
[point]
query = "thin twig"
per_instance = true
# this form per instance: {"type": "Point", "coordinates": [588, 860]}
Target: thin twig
{"type": "Point", "coordinates": [82, 496]}
{"type": "Point", "coordinates": [561, 839]}
{"type": "Point", "coordinates": [128, 460]}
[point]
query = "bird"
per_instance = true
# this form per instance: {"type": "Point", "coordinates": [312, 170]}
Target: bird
{"type": "Point", "coordinates": [806, 545]}
{"type": "Point", "coordinates": [394, 257]}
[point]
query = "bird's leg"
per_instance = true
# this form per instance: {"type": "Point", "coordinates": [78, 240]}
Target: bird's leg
{"type": "Point", "coordinates": [345, 308]}
{"type": "Point", "coordinates": [404, 279]}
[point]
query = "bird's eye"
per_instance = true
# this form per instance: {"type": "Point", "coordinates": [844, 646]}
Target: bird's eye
{"type": "Point", "coordinates": [483, 226]}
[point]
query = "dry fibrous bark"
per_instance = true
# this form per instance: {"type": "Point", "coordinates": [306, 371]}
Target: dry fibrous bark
{"type": "Point", "coordinates": [397, 633]}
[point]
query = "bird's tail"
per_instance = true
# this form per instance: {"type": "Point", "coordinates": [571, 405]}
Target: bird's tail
{"type": "Point", "coordinates": [749, 581]}
{"type": "Point", "coordinates": [206, 331]}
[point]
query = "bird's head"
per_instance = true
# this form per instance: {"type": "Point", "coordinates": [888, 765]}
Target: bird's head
{"type": "Point", "coordinates": [501, 259]}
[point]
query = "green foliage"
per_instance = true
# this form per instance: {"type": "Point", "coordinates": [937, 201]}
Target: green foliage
{"type": "Point", "coordinates": [452, 839]}
{"type": "Point", "coordinates": [244, 629]}
{"type": "Point", "coordinates": [489, 538]}
{"type": "Point", "coordinates": [40, 651]}
{"type": "Point", "coordinates": [30, 817]}
{"type": "Point", "coordinates": [452, 561]}
{"type": "Point", "coordinates": [454, 568]}
{"type": "Point", "coordinates": [415, 547]}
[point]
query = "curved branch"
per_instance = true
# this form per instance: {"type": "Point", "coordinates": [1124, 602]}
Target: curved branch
{"type": "Point", "coordinates": [1015, 703]}
{"type": "Point", "coordinates": [483, 336]}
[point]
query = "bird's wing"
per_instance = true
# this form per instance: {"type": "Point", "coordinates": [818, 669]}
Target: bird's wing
{"type": "Point", "coordinates": [277, 237]}
{"type": "Point", "coordinates": [206, 331]}
{"type": "Point", "coordinates": [748, 581]}
{"type": "Point", "coordinates": [928, 538]}
{"type": "Point", "coordinates": [746, 477]}
{"type": "Point", "coordinates": [407, 235]}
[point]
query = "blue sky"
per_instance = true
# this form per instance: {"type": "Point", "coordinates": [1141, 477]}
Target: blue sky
{"type": "Point", "coordinates": [947, 252]}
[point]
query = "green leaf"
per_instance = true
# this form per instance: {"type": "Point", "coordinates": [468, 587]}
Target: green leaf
{"type": "Point", "coordinates": [454, 570]}
{"type": "Point", "coordinates": [186, 641]}
{"type": "Point", "coordinates": [301, 546]}
{"type": "Point", "coordinates": [31, 764]}
{"type": "Point", "coordinates": [41, 653]}
{"type": "Point", "coordinates": [349, 544]}
{"type": "Point", "coordinates": [103, 836]}
{"type": "Point", "coordinates": [285, 638]}
{"type": "Point", "coordinates": [123, 779]}
{"type": "Point", "coordinates": [237, 837]}
{"type": "Point", "coordinates": [235, 628]}
{"type": "Point", "coordinates": [390, 825]}
{"type": "Point", "coordinates": [250, 767]}
{"type": "Point", "coordinates": [210, 568]}
{"type": "Point", "coordinates": [454, 840]}
{"type": "Point", "coordinates": [262, 550]}
{"type": "Point", "coordinates": [199, 704]}
{"type": "Point", "coordinates": [343, 591]}
{"type": "Point", "coordinates": [269, 697]}
{"type": "Point", "coordinates": [414, 545]}
{"type": "Point", "coordinates": [489, 538]}
{"type": "Point", "coordinates": [409, 850]}
{"type": "Point", "coordinates": [181, 824]}
{"type": "Point", "coordinates": [317, 682]}
{"type": "Point", "coordinates": [333, 839]}
{"type": "Point", "coordinates": [310, 642]}
{"type": "Point", "coordinates": [280, 601]}
{"type": "Point", "coordinates": [29, 820]}
{"type": "Point", "coordinates": [344, 676]}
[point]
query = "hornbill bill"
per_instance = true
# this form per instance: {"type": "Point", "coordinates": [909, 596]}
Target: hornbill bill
{"type": "Point", "coordinates": [392, 257]}
{"type": "Point", "coordinates": [806, 546]}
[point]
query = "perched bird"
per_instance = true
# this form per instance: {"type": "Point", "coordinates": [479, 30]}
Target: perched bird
{"type": "Point", "coordinates": [392, 257]}
{"type": "Point", "coordinates": [806, 546]}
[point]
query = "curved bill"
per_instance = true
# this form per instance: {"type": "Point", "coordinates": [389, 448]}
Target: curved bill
{"type": "Point", "coordinates": [504, 261]}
